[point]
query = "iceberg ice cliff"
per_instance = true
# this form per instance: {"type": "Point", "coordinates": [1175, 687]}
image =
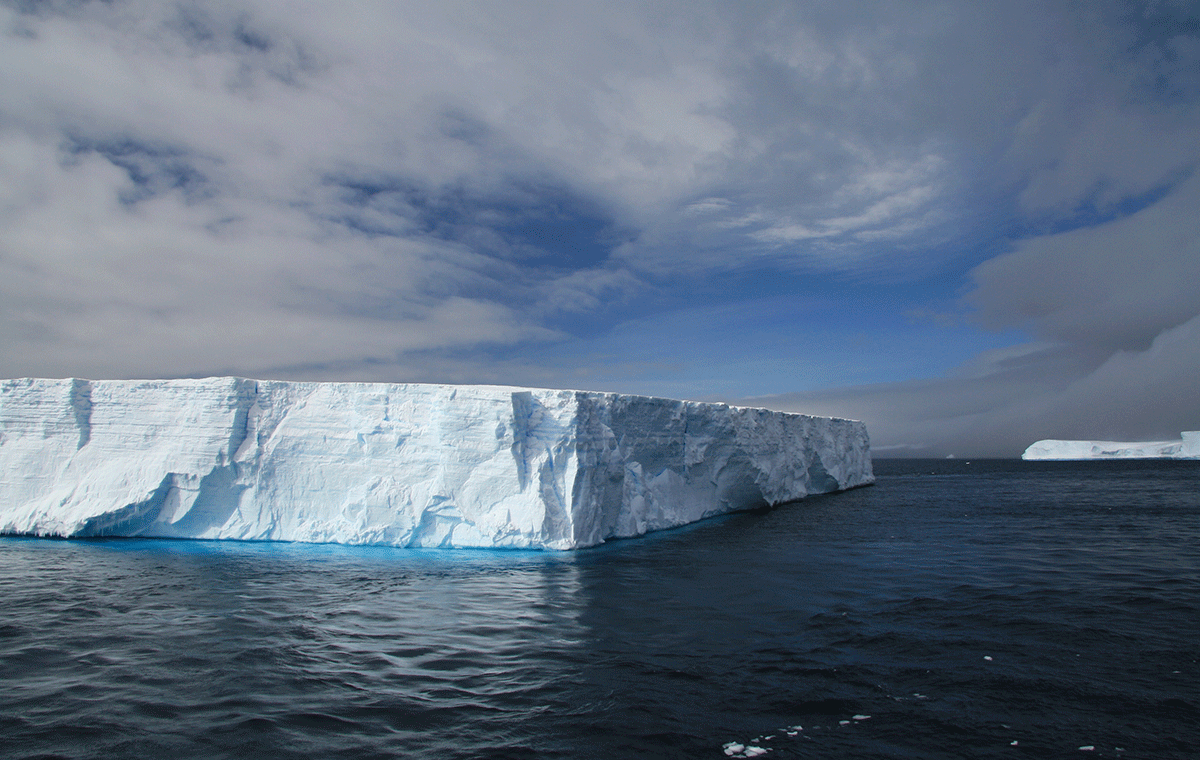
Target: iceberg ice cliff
{"type": "Point", "coordinates": [397, 464]}
{"type": "Point", "coordinates": [1188, 447]}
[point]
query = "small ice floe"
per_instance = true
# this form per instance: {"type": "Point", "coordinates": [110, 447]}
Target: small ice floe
{"type": "Point", "coordinates": [1087, 748]}
{"type": "Point", "coordinates": [920, 696]}
{"type": "Point", "coordinates": [987, 657]}
{"type": "Point", "coordinates": [862, 717]}
{"type": "Point", "coordinates": [843, 722]}
{"type": "Point", "coordinates": [737, 749]}
{"type": "Point", "coordinates": [1013, 743]}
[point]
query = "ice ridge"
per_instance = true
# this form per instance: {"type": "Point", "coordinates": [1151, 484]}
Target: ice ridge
{"type": "Point", "coordinates": [398, 464]}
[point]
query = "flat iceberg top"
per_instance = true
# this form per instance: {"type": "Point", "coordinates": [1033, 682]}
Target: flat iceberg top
{"type": "Point", "coordinates": [397, 464]}
{"type": "Point", "coordinates": [1188, 447]}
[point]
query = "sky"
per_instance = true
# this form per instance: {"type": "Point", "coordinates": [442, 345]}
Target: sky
{"type": "Point", "coordinates": [972, 225]}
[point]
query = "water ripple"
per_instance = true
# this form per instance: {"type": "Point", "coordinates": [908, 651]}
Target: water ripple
{"type": "Point", "coordinates": [946, 612]}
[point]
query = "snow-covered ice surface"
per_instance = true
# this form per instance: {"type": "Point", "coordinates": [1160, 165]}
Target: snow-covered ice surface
{"type": "Point", "coordinates": [397, 464]}
{"type": "Point", "coordinates": [1188, 447]}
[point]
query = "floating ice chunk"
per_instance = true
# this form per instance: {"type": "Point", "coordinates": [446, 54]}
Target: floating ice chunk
{"type": "Point", "coordinates": [1087, 748]}
{"type": "Point", "coordinates": [843, 722]}
{"type": "Point", "coordinates": [1013, 743]}
{"type": "Point", "coordinates": [987, 657]}
{"type": "Point", "coordinates": [736, 749]}
{"type": "Point", "coordinates": [1188, 447]}
{"type": "Point", "coordinates": [862, 717]}
{"type": "Point", "coordinates": [396, 464]}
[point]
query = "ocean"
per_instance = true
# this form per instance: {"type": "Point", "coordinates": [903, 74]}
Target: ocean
{"type": "Point", "coordinates": [956, 609]}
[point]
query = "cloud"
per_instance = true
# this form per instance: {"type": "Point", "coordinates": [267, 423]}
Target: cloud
{"type": "Point", "coordinates": [1114, 286]}
{"type": "Point", "coordinates": [123, 278]}
{"type": "Point", "coordinates": [1118, 317]}
{"type": "Point", "coordinates": [430, 191]}
{"type": "Point", "coordinates": [190, 189]}
{"type": "Point", "coordinates": [1051, 393]}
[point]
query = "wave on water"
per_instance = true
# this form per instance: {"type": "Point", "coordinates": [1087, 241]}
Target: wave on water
{"type": "Point", "coordinates": [955, 609]}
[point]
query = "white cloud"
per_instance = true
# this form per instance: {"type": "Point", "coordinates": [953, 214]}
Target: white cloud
{"type": "Point", "coordinates": [166, 285]}
{"type": "Point", "coordinates": [331, 189]}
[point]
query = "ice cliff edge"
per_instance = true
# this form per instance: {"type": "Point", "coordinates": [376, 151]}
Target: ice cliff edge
{"type": "Point", "coordinates": [397, 464]}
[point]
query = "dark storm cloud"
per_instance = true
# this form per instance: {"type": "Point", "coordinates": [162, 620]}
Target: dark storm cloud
{"type": "Point", "coordinates": [1116, 286]}
{"type": "Point", "coordinates": [1118, 312]}
{"type": "Point", "coordinates": [1058, 392]}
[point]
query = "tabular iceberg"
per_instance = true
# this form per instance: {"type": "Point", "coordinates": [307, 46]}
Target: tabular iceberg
{"type": "Point", "coordinates": [397, 464]}
{"type": "Point", "coordinates": [1186, 448]}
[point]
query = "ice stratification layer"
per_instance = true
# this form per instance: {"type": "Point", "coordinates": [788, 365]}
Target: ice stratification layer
{"type": "Point", "coordinates": [404, 465]}
{"type": "Point", "coordinates": [1186, 448]}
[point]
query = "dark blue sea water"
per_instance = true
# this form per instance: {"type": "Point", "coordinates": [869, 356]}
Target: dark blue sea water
{"type": "Point", "coordinates": [991, 609]}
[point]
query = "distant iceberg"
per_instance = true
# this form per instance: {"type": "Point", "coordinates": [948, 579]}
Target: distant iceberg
{"type": "Point", "coordinates": [396, 464]}
{"type": "Point", "coordinates": [1188, 447]}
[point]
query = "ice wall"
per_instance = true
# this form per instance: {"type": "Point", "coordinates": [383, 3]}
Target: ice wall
{"type": "Point", "coordinates": [1188, 447]}
{"type": "Point", "coordinates": [404, 465]}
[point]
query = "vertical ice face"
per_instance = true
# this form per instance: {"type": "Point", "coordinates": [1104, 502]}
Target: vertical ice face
{"type": "Point", "coordinates": [404, 465]}
{"type": "Point", "coordinates": [106, 458]}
